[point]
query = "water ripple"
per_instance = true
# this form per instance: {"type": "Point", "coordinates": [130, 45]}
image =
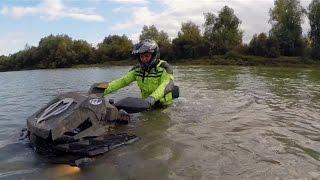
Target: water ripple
{"type": "Point", "coordinates": [229, 123]}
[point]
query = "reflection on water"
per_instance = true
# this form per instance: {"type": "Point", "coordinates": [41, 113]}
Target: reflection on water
{"type": "Point", "coordinates": [229, 123]}
{"type": "Point", "coordinates": [208, 78]}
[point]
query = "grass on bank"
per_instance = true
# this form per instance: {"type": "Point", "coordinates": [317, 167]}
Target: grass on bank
{"type": "Point", "coordinates": [229, 59]}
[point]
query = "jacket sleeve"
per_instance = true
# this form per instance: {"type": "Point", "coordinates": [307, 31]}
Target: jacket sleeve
{"type": "Point", "coordinates": [166, 81]}
{"type": "Point", "coordinates": [120, 83]}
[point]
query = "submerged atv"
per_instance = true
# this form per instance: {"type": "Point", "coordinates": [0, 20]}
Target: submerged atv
{"type": "Point", "coordinates": [82, 124]}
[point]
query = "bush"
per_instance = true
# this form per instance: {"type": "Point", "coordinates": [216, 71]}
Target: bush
{"type": "Point", "coordinates": [232, 55]}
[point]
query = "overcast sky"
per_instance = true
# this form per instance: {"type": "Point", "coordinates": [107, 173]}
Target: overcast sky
{"type": "Point", "coordinates": [26, 22]}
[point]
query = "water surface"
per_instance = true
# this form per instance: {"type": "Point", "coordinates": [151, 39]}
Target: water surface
{"type": "Point", "coordinates": [229, 123]}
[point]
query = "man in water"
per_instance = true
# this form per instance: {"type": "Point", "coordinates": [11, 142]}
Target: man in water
{"type": "Point", "coordinates": [154, 76]}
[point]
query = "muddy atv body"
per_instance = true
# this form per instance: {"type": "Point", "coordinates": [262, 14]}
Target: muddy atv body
{"type": "Point", "coordinates": [78, 123]}
{"type": "Point", "coordinates": [82, 124]}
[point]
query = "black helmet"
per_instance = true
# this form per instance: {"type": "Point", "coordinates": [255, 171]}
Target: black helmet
{"type": "Point", "coordinates": [144, 46]}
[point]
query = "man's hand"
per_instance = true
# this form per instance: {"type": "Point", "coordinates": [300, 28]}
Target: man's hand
{"type": "Point", "coordinates": [98, 88]}
{"type": "Point", "coordinates": [103, 85]}
{"type": "Point", "coordinates": [150, 100]}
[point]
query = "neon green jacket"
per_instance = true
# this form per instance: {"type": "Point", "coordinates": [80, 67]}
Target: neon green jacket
{"type": "Point", "coordinates": [158, 82]}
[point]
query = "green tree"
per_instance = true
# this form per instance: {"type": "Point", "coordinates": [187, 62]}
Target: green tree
{"type": "Point", "coordinates": [3, 63]}
{"type": "Point", "coordinates": [314, 34]}
{"type": "Point", "coordinates": [149, 32]}
{"type": "Point", "coordinates": [53, 51]}
{"type": "Point", "coordinates": [23, 59]}
{"type": "Point", "coordinates": [262, 45]}
{"type": "Point", "coordinates": [189, 43]}
{"type": "Point", "coordinates": [3, 58]}
{"type": "Point", "coordinates": [26, 58]}
{"type": "Point", "coordinates": [56, 51]}
{"type": "Point", "coordinates": [286, 18]}
{"type": "Point", "coordinates": [84, 52]}
{"type": "Point", "coordinates": [114, 47]}
{"type": "Point", "coordinates": [161, 37]}
{"type": "Point", "coordinates": [222, 33]}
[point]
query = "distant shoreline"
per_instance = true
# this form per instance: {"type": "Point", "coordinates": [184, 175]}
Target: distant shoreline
{"type": "Point", "coordinates": [282, 61]}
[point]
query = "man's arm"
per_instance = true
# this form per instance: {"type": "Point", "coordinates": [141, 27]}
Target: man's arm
{"type": "Point", "coordinates": [165, 86]}
{"type": "Point", "coordinates": [120, 83]}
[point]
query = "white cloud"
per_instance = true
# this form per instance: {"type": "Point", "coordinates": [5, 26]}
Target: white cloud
{"type": "Point", "coordinates": [140, 15]}
{"type": "Point", "coordinates": [52, 10]}
{"type": "Point", "coordinates": [131, 1]}
{"type": "Point", "coordinates": [134, 37]}
{"type": "Point", "coordinates": [18, 12]}
{"type": "Point", "coordinates": [117, 10]}
{"type": "Point", "coordinates": [254, 15]}
{"type": "Point", "coordinates": [4, 10]}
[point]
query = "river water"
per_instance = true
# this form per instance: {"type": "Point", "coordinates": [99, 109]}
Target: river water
{"type": "Point", "coordinates": [229, 123]}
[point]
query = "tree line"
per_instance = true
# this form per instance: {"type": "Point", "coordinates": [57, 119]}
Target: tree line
{"type": "Point", "coordinates": [221, 35]}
